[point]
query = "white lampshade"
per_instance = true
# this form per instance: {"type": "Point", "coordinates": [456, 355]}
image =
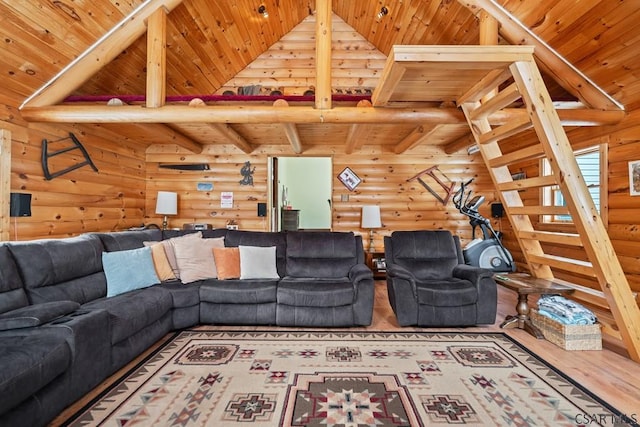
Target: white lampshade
{"type": "Point", "coordinates": [167, 203]}
{"type": "Point", "coordinates": [371, 217]}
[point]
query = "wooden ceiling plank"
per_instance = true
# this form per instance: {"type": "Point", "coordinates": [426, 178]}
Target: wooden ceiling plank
{"type": "Point", "coordinates": [323, 54]}
{"type": "Point", "coordinates": [99, 54]}
{"type": "Point", "coordinates": [563, 72]}
{"type": "Point", "coordinates": [156, 59]}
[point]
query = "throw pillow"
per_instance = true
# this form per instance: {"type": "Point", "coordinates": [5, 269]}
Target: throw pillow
{"type": "Point", "coordinates": [258, 262]}
{"type": "Point", "coordinates": [227, 262]}
{"type": "Point", "coordinates": [128, 270]}
{"type": "Point", "coordinates": [168, 249]}
{"type": "Point", "coordinates": [195, 258]}
{"type": "Point", "coordinates": [161, 263]}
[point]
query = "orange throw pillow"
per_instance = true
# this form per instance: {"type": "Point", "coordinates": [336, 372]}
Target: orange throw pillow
{"type": "Point", "coordinates": [227, 262]}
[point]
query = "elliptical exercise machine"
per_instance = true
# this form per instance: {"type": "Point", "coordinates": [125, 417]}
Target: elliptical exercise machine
{"type": "Point", "coordinates": [486, 252]}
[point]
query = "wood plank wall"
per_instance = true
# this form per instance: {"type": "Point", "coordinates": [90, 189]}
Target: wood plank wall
{"type": "Point", "coordinates": [404, 205]}
{"type": "Point", "coordinates": [82, 200]}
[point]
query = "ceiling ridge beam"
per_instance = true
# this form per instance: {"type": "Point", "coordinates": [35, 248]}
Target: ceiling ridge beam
{"type": "Point", "coordinates": [102, 52]}
{"type": "Point", "coordinates": [562, 71]}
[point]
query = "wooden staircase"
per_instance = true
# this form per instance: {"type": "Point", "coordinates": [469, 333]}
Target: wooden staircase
{"type": "Point", "coordinates": [524, 84]}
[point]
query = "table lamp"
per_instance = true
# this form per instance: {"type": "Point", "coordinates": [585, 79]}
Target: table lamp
{"type": "Point", "coordinates": [167, 204]}
{"type": "Point", "coordinates": [371, 220]}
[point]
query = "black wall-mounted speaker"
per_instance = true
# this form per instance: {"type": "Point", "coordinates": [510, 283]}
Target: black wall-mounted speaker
{"type": "Point", "coordinates": [262, 209]}
{"type": "Point", "coordinates": [20, 204]}
{"type": "Point", "coordinates": [497, 210]}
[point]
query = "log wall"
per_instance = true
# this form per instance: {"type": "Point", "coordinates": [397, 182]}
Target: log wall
{"type": "Point", "coordinates": [404, 205]}
{"type": "Point", "coordinates": [82, 200]}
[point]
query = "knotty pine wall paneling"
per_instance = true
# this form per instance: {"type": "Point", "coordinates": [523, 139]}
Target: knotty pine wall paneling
{"type": "Point", "coordinates": [81, 200]}
{"type": "Point", "coordinates": [404, 205]}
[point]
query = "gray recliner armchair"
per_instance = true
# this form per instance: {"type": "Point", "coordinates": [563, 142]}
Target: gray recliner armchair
{"type": "Point", "coordinates": [430, 285]}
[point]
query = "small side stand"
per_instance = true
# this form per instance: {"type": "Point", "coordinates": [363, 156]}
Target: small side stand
{"type": "Point", "coordinates": [76, 145]}
{"type": "Point", "coordinates": [440, 179]}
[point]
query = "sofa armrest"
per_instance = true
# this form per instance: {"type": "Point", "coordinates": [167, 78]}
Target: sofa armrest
{"type": "Point", "coordinates": [36, 315]}
{"type": "Point", "coordinates": [395, 270]}
{"type": "Point", "coordinates": [471, 273]}
{"type": "Point", "coordinates": [359, 272]}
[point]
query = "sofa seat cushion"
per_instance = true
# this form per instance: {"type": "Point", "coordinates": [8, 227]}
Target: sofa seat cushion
{"type": "Point", "coordinates": [238, 291]}
{"type": "Point", "coordinates": [315, 292]}
{"type": "Point", "coordinates": [131, 312]}
{"type": "Point", "coordinates": [447, 292]}
{"type": "Point", "coordinates": [182, 296]}
{"type": "Point", "coordinates": [30, 360]}
{"type": "Point", "coordinates": [36, 315]}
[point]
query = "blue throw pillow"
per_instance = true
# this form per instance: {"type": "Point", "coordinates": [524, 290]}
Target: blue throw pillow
{"type": "Point", "coordinates": [128, 270]}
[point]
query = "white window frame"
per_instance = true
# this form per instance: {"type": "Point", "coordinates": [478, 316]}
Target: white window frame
{"type": "Point", "coordinates": [551, 195]}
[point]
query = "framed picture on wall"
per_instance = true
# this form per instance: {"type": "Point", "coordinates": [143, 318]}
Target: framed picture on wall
{"type": "Point", "coordinates": [349, 179]}
{"type": "Point", "coordinates": [634, 178]}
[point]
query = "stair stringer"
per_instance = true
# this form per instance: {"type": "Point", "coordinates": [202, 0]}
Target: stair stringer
{"type": "Point", "coordinates": [593, 234]}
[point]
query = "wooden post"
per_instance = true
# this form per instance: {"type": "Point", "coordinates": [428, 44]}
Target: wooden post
{"type": "Point", "coordinates": [323, 54]}
{"type": "Point", "coordinates": [156, 58]}
{"type": "Point", "coordinates": [5, 183]}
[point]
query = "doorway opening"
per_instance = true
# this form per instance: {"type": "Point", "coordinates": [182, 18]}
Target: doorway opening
{"type": "Point", "coordinates": [302, 187]}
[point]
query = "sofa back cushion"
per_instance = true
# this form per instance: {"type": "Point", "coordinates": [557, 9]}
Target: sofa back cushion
{"type": "Point", "coordinates": [321, 253]}
{"type": "Point", "coordinates": [126, 240]}
{"type": "Point", "coordinates": [61, 269]}
{"type": "Point", "coordinates": [236, 238]}
{"type": "Point", "coordinates": [428, 254]}
{"type": "Point", "coordinates": [12, 294]}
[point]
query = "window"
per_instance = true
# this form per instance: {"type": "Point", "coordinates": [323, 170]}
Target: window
{"type": "Point", "coordinates": [592, 164]}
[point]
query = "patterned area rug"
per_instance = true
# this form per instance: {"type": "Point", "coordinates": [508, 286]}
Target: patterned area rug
{"type": "Point", "coordinates": [350, 379]}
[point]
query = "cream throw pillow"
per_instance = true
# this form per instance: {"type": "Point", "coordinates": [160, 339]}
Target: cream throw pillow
{"type": "Point", "coordinates": [195, 258]}
{"type": "Point", "coordinates": [169, 252]}
{"type": "Point", "coordinates": [258, 262]}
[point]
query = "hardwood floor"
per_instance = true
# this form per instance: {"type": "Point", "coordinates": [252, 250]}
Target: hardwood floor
{"type": "Point", "coordinates": [606, 373]}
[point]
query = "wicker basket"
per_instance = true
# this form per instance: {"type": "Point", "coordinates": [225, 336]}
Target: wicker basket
{"type": "Point", "coordinates": [569, 337]}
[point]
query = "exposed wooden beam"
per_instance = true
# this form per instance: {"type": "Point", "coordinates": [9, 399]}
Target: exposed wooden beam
{"type": "Point", "coordinates": [323, 54]}
{"type": "Point", "coordinates": [416, 137]}
{"type": "Point", "coordinates": [156, 59]}
{"type": "Point", "coordinates": [489, 29]}
{"type": "Point", "coordinates": [296, 114]}
{"type": "Point", "coordinates": [460, 143]}
{"type": "Point", "coordinates": [290, 129]}
{"type": "Point", "coordinates": [176, 137]}
{"type": "Point", "coordinates": [98, 55]}
{"type": "Point", "coordinates": [567, 75]}
{"type": "Point", "coordinates": [238, 114]}
{"type": "Point", "coordinates": [234, 137]}
{"type": "Point", "coordinates": [357, 133]}
{"type": "Point", "coordinates": [581, 117]}
{"type": "Point", "coordinates": [5, 183]}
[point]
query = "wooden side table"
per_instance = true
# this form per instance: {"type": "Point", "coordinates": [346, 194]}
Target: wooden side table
{"type": "Point", "coordinates": [375, 261]}
{"type": "Point", "coordinates": [526, 285]}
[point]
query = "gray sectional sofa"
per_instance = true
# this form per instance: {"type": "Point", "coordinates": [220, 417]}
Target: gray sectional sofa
{"type": "Point", "coordinates": [60, 335]}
